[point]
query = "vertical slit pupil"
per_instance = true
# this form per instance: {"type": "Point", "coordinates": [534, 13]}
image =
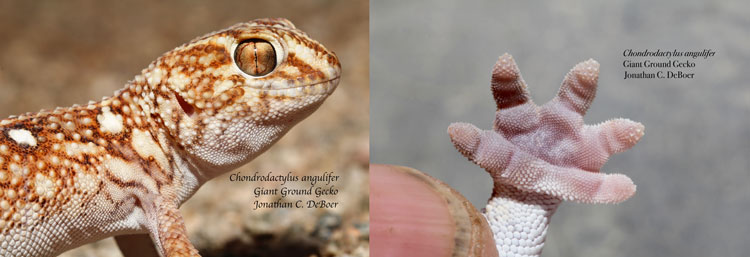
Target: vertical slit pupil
{"type": "Point", "coordinates": [255, 57]}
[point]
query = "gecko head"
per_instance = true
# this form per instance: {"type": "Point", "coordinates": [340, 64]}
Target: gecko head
{"type": "Point", "coordinates": [232, 93]}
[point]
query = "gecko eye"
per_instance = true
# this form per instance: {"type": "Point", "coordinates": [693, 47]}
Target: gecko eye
{"type": "Point", "coordinates": [255, 57]}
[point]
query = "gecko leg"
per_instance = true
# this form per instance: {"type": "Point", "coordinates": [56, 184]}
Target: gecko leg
{"type": "Point", "coordinates": [169, 233]}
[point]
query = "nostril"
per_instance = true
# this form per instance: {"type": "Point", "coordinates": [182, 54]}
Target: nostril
{"type": "Point", "coordinates": [186, 107]}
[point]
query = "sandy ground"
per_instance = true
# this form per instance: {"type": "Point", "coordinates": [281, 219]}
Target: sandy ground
{"type": "Point", "coordinates": [56, 53]}
{"type": "Point", "coordinates": [431, 63]}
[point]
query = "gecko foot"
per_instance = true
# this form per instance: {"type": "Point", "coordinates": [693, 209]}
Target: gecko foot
{"type": "Point", "coordinates": [548, 149]}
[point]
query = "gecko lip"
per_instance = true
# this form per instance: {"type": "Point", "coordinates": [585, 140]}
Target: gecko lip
{"type": "Point", "coordinates": [321, 88]}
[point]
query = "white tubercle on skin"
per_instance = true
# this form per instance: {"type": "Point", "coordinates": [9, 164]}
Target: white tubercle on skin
{"type": "Point", "coordinates": [109, 122]}
{"type": "Point", "coordinates": [22, 136]}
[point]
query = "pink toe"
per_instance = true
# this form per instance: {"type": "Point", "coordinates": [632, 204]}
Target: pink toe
{"type": "Point", "coordinates": [465, 138]}
{"type": "Point", "coordinates": [615, 188]}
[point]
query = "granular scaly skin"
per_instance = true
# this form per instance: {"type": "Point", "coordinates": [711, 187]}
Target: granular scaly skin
{"type": "Point", "coordinates": [541, 155]}
{"type": "Point", "coordinates": [125, 164]}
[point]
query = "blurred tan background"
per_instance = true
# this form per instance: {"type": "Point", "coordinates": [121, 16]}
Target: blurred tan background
{"type": "Point", "coordinates": [59, 53]}
{"type": "Point", "coordinates": [431, 63]}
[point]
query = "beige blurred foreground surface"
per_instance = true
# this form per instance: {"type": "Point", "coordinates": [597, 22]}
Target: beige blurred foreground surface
{"type": "Point", "coordinates": [415, 215]}
{"type": "Point", "coordinates": [64, 53]}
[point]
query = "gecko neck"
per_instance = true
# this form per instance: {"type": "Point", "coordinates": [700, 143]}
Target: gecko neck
{"type": "Point", "coordinates": [519, 219]}
{"type": "Point", "coordinates": [145, 109]}
{"type": "Point", "coordinates": [158, 107]}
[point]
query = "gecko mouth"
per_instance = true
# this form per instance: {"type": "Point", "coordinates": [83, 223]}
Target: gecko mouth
{"type": "Point", "coordinates": [321, 88]}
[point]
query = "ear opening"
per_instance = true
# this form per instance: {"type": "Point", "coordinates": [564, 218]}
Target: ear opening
{"type": "Point", "coordinates": [186, 107]}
